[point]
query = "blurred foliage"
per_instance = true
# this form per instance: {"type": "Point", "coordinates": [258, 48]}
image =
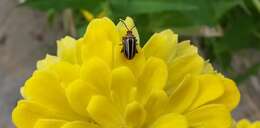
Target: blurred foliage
{"type": "Point", "coordinates": [253, 70]}
{"type": "Point", "coordinates": [222, 26]}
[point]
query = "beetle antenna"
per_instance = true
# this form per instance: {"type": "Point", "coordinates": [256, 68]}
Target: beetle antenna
{"type": "Point", "coordinates": [124, 24]}
{"type": "Point", "coordinates": [132, 28]}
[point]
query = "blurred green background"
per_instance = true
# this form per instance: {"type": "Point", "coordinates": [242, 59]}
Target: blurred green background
{"type": "Point", "coordinates": [227, 33]}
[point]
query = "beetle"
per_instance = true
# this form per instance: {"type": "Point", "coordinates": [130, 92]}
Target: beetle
{"type": "Point", "coordinates": [129, 43]}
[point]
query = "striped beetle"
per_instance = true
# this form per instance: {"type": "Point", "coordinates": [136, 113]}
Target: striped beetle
{"type": "Point", "coordinates": [129, 43]}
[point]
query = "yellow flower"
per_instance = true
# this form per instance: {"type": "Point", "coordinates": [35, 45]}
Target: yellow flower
{"type": "Point", "coordinates": [244, 123]}
{"type": "Point", "coordinates": [90, 84]}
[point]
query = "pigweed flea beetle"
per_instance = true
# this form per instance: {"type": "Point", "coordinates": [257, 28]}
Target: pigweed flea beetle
{"type": "Point", "coordinates": [129, 43]}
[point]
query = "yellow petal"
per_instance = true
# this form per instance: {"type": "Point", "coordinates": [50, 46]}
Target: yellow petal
{"type": "Point", "coordinates": [49, 123]}
{"type": "Point", "coordinates": [135, 115]}
{"type": "Point", "coordinates": [136, 64]}
{"type": "Point", "coordinates": [104, 112]}
{"type": "Point", "coordinates": [99, 39]}
{"type": "Point", "coordinates": [231, 96]}
{"type": "Point", "coordinates": [122, 86]}
{"type": "Point", "coordinates": [66, 72]}
{"type": "Point", "coordinates": [100, 50]}
{"type": "Point", "coordinates": [67, 49]}
{"type": "Point", "coordinates": [210, 116]}
{"type": "Point", "coordinates": [47, 62]}
{"type": "Point", "coordinates": [153, 78]}
{"type": "Point", "coordinates": [78, 94]}
{"type": "Point", "coordinates": [44, 88]}
{"type": "Point", "coordinates": [210, 88]}
{"type": "Point", "coordinates": [180, 67]}
{"type": "Point", "coordinates": [79, 49]}
{"type": "Point", "coordinates": [26, 114]}
{"type": "Point", "coordinates": [244, 123]}
{"type": "Point", "coordinates": [97, 73]}
{"type": "Point", "coordinates": [184, 48]}
{"type": "Point", "coordinates": [130, 24]}
{"type": "Point", "coordinates": [208, 68]}
{"type": "Point", "coordinates": [156, 105]}
{"type": "Point", "coordinates": [255, 125]}
{"type": "Point", "coordinates": [79, 124]}
{"type": "Point", "coordinates": [162, 45]}
{"type": "Point", "coordinates": [100, 30]}
{"type": "Point", "coordinates": [184, 95]}
{"type": "Point", "coordinates": [171, 120]}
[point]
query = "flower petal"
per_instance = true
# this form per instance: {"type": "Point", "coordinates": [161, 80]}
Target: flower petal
{"type": "Point", "coordinates": [122, 86]}
{"type": "Point", "coordinates": [171, 120]}
{"type": "Point", "coordinates": [180, 67]}
{"type": "Point", "coordinates": [101, 50]}
{"type": "Point", "coordinates": [210, 88]}
{"type": "Point", "coordinates": [136, 64]}
{"type": "Point", "coordinates": [49, 123]}
{"type": "Point", "coordinates": [48, 61]}
{"type": "Point", "coordinates": [231, 96]}
{"type": "Point", "coordinates": [135, 115]}
{"type": "Point", "coordinates": [44, 88]}
{"type": "Point", "coordinates": [184, 48]}
{"type": "Point", "coordinates": [156, 105]}
{"type": "Point", "coordinates": [149, 80]}
{"type": "Point", "coordinates": [208, 68]}
{"type": "Point", "coordinates": [66, 72]}
{"type": "Point", "coordinates": [97, 73]}
{"type": "Point", "coordinates": [99, 39]}
{"type": "Point", "coordinates": [184, 95]}
{"type": "Point", "coordinates": [100, 30]}
{"type": "Point", "coordinates": [210, 116]}
{"type": "Point", "coordinates": [67, 49]}
{"type": "Point", "coordinates": [79, 49]}
{"type": "Point", "coordinates": [130, 24]}
{"type": "Point", "coordinates": [78, 94]}
{"type": "Point", "coordinates": [255, 125]}
{"type": "Point", "coordinates": [162, 45]}
{"type": "Point", "coordinates": [24, 108]}
{"type": "Point", "coordinates": [104, 112]}
{"type": "Point", "coordinates": [26, 113]}
{"type": "Point", "coordinates": [244, 123]}
{"type": "Point", "coordinates": [79, 124]}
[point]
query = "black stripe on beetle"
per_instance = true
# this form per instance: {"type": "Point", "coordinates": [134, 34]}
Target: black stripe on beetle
{"type": "Point", "coordinates": [129, 43]}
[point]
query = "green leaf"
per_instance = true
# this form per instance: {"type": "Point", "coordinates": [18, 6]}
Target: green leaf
{"type": "Point", "coordinates": [257, 4]}
{"type": "Point", "coordinates": [135, 7]}
{"type": "Point", "coordinates": [240, 32]}
{"type": "Point", "coordinates": [59, 5]}
{"type": "Point", "coordinates": [204, 12]}
{"type": "Point", "coordinates": [81, 30]}
{"type": "Point", "coordinates": [51, 16]}
{"type": "Point", "coordinates": [211, 11]}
